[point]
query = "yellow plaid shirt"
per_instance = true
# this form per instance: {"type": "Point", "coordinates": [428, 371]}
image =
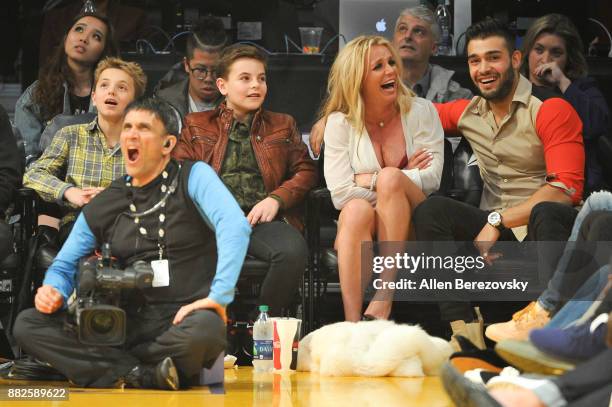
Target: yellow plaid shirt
{"type": "Point", "coordinates": [78, 156]}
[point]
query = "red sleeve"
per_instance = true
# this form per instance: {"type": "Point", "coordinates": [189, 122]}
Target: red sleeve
{"type": "Point", "coordinates": [450, 112]}
{"type": "Point", "coordinates": [560, 130]}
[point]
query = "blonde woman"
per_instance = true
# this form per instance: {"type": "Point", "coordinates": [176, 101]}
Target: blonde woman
{"type": "Point", "coordinates": [383, 156]}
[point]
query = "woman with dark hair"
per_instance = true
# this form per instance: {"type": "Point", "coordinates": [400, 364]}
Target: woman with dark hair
{"type": "Point", "coordinates": [65, 83]}
{"type": "Point", "coordinates": [553, 56]}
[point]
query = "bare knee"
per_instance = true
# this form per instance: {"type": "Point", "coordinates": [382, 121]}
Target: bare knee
{"type": "Point", "coordinates": [357, 214]}
{"type": "Point", "coordinates": [389, 182]}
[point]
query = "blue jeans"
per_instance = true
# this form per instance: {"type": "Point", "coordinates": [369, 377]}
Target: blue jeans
{"type": "Point", "coordinates": [551, 297]}
{"type": "Point", "coordinates": [583, 299]}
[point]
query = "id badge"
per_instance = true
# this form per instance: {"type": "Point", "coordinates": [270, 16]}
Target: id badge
{"type": "Point", "coordinates": [161, 273]}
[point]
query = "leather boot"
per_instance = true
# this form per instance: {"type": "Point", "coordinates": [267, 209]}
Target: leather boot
{"type": "Point", "coordinates": [163, 376]}
{"type": "Point", "coordinates": [522, 323]}
{"type": "Point", "coordinates": [474, 331]}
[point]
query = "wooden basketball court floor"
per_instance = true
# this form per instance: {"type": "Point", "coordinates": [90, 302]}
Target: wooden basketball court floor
{"type": "Point", "coordinates": [243, 387]}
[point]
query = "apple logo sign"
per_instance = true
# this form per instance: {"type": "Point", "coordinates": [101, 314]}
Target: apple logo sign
{"type": "Point", "coordinates": [381, 26]}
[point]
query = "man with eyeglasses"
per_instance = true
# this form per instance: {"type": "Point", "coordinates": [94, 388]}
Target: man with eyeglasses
{"type": "Point", "coordinates": [197, 92]}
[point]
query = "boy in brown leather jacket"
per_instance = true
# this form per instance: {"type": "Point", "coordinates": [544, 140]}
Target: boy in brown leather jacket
{"type": "Point", "coordinates": [260, 157]}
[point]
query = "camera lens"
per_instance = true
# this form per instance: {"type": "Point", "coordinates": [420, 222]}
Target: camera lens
{"type": "Point", "coordinates": [102, 322]}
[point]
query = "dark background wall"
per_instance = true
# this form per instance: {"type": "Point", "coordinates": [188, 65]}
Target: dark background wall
{"type": "Point", "coordinates": [21, 21]}
{"type": "Point", "coordinates": [297, 82]}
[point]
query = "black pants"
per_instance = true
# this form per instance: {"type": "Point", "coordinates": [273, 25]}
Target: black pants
{"type": "Point", "coordinates": [194, 343]}
{"type": "Point", "coordinates": [590, 383]}
{"type": "Point", "coordinates": [445, 219]}
{"type": "Point", "coordinates": [285, 249]}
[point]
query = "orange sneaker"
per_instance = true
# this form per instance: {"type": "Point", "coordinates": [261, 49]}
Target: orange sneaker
{"type": "Point", "coordinates": [531, 317]}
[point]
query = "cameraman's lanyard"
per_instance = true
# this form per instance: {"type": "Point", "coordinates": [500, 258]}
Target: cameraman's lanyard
{"type": "Point", "coordinates": [160, 267]}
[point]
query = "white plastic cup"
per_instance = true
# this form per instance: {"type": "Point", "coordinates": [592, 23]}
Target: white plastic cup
{"type": "Point", "coordinates": [311, 39]}
{"type": "Point", "coordinates": [285, 343]}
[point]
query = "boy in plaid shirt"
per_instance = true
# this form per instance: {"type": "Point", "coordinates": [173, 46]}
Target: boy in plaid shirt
{"type": "Point", "coordinates": [83, 159]}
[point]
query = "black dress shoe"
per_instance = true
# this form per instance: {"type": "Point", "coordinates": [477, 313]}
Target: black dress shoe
{"type": "Point", "coordinates": [48, 235]}
{"type": "Point", "coordinates": [463, 391]}
{"type": "Point", "coordinates": [45, 256]}
{"type": "Point", "coordinates": [163, 376]}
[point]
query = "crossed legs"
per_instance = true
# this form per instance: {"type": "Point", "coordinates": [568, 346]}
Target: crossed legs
{"type": "Point", "coordinates": [359, 222]}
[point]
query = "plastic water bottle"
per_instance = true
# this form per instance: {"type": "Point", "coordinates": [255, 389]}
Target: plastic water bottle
{"type": "Point", "coordinates": [262, 341]}
{"type": "Point", "coordinates": [443, 15]}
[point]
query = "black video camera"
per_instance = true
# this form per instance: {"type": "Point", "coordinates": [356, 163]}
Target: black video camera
{"type": "Point", "coordinates": [99, 318]}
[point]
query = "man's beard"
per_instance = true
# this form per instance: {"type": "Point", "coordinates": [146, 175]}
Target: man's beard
{"type": "Point", "coordinates": [503, 90]}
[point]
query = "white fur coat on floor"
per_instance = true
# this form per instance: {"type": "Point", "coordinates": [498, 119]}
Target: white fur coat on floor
{"type": "Point", "coordinates": [372, 348]}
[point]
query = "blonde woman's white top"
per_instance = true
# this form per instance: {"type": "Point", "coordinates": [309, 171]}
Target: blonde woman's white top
{"type": "Point", "coordinates": [348, 153]}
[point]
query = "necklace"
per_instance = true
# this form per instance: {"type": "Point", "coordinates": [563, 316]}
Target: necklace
{"type": "Point", "coordinates": [382, 124]}
{"type": "Point", "coordinates": [160, 206]}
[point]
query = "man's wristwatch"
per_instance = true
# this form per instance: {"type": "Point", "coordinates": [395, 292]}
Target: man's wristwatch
{"type": "Point", "coordinates": [495, 219]}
